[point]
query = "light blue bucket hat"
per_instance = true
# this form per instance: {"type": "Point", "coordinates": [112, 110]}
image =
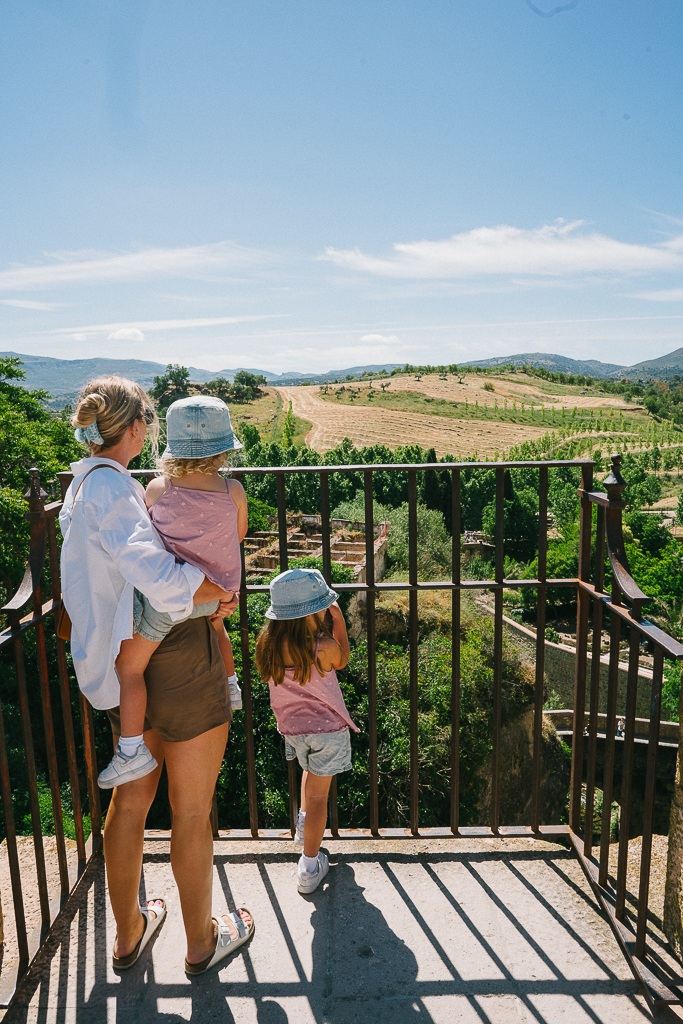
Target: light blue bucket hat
{"type": "Point", "coordinates": [299, 592]}
{"type": "Point", "coordinates": [199, 427]}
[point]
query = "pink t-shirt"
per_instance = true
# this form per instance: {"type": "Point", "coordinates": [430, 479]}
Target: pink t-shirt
{"type": "Point", "coordinates": [318, 706]}
{"type": "Point", "coordinates": [200, 527]}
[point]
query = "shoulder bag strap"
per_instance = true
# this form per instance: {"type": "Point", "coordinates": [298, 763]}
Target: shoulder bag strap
{"type": "Point", "coordinates": [100, 465]}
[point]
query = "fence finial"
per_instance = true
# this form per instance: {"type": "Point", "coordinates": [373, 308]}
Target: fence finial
{"type": "Point", "coordinates": [35, 495]}
{"type": "Point", "coordinates": [615, 482]}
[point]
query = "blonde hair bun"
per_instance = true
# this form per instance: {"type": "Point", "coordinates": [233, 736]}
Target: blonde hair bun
{"type": "Point", "coordinates": [113, 403]}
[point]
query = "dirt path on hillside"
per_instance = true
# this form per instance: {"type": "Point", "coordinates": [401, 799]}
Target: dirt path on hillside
{"type": "Point", "coordinates": [366, 426]}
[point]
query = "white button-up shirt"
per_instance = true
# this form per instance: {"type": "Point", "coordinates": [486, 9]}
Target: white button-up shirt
{"type": "Point", "coordinates": [110, 547]}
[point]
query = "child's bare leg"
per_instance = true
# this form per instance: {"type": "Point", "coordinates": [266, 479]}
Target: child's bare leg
{"type": "Point", "coordinates": [131, 663]}
{"type": "Point", "coordinates": [314, 801]}
{"type": "Point", "coordinates": [228, 660]}
{"type": "Point", "coordinates": [132, 759]}
{"type": "Point", "coordinates": [224, 644]}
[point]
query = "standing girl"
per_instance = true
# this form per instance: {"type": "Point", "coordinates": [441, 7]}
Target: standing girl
{"type": "Point", "coordinates": [297, 655]}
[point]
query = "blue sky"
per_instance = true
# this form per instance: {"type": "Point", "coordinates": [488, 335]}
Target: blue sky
{"type": "Point", "coordinates": [312, 185]}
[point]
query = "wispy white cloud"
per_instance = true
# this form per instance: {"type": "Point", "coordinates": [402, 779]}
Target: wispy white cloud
{"type": "Point", "coordinates": [87, 267]}
{"type": "Point", "coordinates": [126, 334]}
{"type": "Point", "coordinates": [666, 295]}
{"type": "Point", "coordinates": [558, 250]}
{"type": "Point", "coordinates": [379, 339]}
{"type": "Point", "coordinates": [160, 325]}
{"type": "Point", "coordinates": [31, 304]}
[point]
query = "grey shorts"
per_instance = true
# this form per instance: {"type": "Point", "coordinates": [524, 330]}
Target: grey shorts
{"type": "Point", "coordinates": [154, 625]}
{"type": "Point", "coordinates": [321, 753]}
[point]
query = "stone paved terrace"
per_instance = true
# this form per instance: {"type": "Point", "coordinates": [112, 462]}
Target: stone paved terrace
{"type": "Point", "coordinates": [479, 932]}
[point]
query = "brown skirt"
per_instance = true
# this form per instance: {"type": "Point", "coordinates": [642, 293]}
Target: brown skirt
{"type": "Point", "coordinates": [187, 685]}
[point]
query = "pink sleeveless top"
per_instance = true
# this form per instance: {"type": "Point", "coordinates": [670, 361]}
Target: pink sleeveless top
{"type": "Point", "coordinates": [318, 706]}
{"type": "Point", "coordinates": [200, 527]}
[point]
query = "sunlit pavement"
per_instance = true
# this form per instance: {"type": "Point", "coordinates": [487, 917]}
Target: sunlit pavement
{"type": "Point", "coordinates": [446, 931]}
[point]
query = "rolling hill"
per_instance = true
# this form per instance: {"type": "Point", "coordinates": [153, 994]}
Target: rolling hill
{"type": "Point", "coordinates": [655, 369]}
{"type": "Point", "coordinates": [554, 363]}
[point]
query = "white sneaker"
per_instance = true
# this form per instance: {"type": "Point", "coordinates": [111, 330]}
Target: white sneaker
{"type": "Point", "coordinates": [299, 834]}
{"type": "Point", "coordinates": [123, 768]}
{"type": "Point", "coordinates": [308, 881]}
{"type": "Point", "coordinates": [235, 696]}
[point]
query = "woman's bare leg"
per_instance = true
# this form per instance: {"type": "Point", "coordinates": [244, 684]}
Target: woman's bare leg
{"type": "Point", "coordinates": [123, 840]}
{"type": "Point", "coordinates": [192, 769]}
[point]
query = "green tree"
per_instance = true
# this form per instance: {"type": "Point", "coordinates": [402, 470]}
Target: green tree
{"type": "Point", "coordinates": [433, 541]}
{"type": "Point", "coordinates": [171, 385]}
{"type": "Point", "coordinates": [250, 380]}
{"type": "Point", "coordinates": [219, 387]}
{"type": "Point", "coordinates": [520, 525]}
{"type": "Point", "coordinates": [249, 435]}
{"type": "Point", "coordinates": [288, 427]}
{"type": "Point", "coordinates": [30, 436]}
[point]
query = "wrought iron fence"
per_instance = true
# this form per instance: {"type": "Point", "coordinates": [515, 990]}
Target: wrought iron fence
{"type": "Point", "coordinates": [29, 611]}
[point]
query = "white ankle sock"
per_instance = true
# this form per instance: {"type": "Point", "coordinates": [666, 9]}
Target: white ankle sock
{"type": "Point", "coordinates": [233, 678]}
{"type": "Point", "coordinates": [309, 863]}
{"type": "Point", "coordinates": [302, 817]}
{"type": "Point", "coordinates": [129, 744]}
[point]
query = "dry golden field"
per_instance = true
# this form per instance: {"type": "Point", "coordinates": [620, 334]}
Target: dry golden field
{"type": "Point", "coordinates": [514, 387]}
{"type": "Point", "coordinates": [365, 425]}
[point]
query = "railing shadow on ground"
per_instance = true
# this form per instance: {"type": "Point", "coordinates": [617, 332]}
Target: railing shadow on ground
{"type": "Point", "coordinates": [72, 762]}
{"type": "Point", "coordinates": [431, 936]}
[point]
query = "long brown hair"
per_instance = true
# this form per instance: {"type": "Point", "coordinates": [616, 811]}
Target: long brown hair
{"type": "Point", "coordinates": [294, 638]}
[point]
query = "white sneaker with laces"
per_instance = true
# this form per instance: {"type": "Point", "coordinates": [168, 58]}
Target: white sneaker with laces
{"type": "Point", "coordinates": [123, 768]}
{"type": "Point", "coordinates": [308, 881]}
{"type": "Point", "coordinates": [235, 695]}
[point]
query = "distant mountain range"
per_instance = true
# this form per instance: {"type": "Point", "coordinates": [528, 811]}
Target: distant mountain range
{"type": "Point", "coordinates": [556, 364]}
{"type": "Point", "coordinates": [656, 369]}
{"type": "Point", "coordinates": [63, 378]}
{"type": "Point", "coordinates": [650, 369]}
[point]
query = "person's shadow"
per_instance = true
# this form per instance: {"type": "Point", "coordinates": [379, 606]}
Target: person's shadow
{"type": "Point", "coordinates": [358, 961]}
{"type": "Point", "coordinates": [270, 1012]}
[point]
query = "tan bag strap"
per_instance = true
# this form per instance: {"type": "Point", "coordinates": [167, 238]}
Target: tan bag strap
{"type": "Point", "coordinates": [100, 465]}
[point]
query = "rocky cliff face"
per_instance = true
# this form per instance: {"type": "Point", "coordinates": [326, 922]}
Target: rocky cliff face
{"type": "Point", "coordinates": [516, 775]}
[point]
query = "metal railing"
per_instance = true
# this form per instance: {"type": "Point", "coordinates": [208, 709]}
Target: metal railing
{"type": "Point", "coordinates": [81, 769]}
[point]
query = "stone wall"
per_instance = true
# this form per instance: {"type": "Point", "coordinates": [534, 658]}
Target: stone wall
{"type": "Point", "coordinates": [560, 667]}
{"type": "Point", "coordinates": [355, 617]}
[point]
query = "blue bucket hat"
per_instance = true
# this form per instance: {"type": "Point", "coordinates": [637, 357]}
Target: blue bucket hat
{"type": "Point", "coordinates": [199, 427]}
{"type": "Point", "coordinates": [299, 592]}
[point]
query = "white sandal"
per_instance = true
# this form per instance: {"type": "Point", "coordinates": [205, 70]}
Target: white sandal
{"type": "Point", "coordinates": [225, 944]}
{"type": "Point", "coordinates": [122, 963]}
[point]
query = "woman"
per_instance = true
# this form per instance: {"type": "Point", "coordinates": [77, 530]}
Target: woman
{"type": "Point", "coordinates": [110, 548]}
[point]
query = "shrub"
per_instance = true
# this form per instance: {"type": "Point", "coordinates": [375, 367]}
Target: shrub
{"type": "Point", "coordinates": [434, 711]}
{"type": "Point", "coordinates": [433, 541]}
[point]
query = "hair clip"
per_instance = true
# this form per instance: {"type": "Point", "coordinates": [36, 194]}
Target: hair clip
{"type": "Point", "coordinates": [89, 434]}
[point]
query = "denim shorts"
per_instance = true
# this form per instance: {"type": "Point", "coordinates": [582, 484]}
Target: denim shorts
{"type": "Point", "coordinates": [154, 625]}
{"type": "Point", "coordinates": [322, 753]}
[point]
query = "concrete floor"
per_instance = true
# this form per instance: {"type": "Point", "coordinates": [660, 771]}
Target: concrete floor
{"type": "Point", "coordinates": [487, 932]}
